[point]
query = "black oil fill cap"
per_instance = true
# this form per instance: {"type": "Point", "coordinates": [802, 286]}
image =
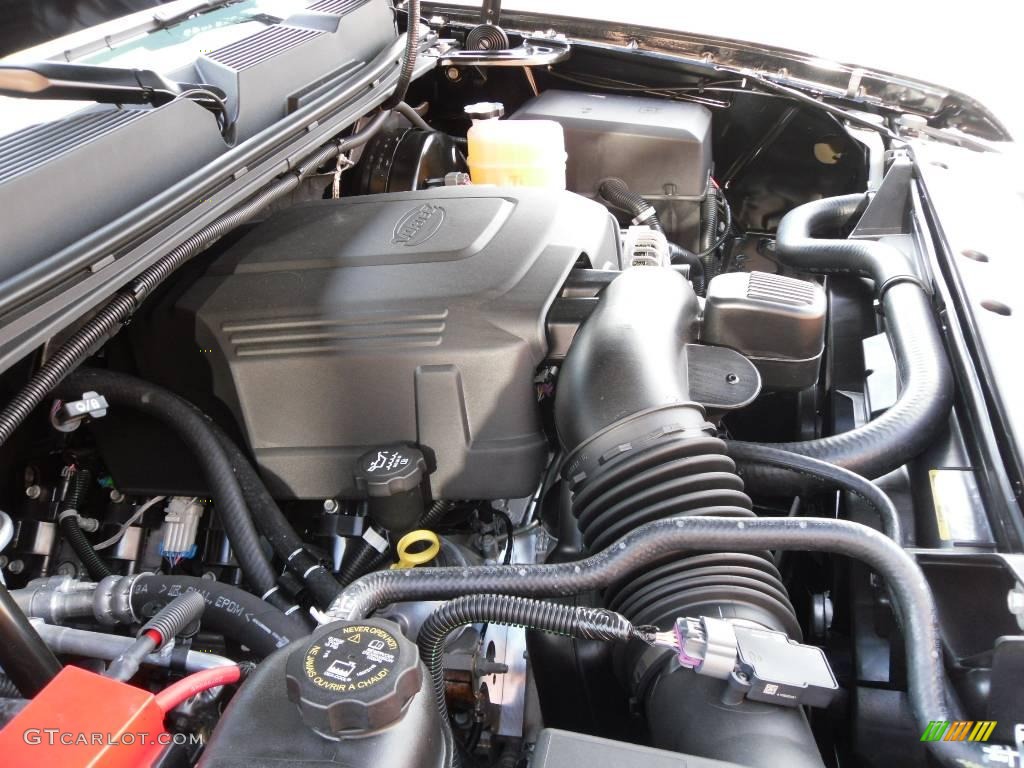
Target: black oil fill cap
{"type": "Point", "coordinates": [351, 679]}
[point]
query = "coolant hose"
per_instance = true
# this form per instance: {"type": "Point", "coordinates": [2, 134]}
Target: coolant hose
{"type": "Point", "coordinates": [67, 519]}
{"type": "Point", "coordinates": [193, 427]}
{"type": "Point", "coordinates": [654, 542]}
{"type": "Point", "coordinates": [24, 657]}
{"type": "Point", "coordinates": [272, 523]}
{"type": "Point", "coordinates": [907, 427]}
{"type": "Point", "coordinates": [229, 611]}
{"type": "Point", "coordinates": [509, 610]}
{"type": "Point", "coordinates": [752, 454]}
{"type": "Point", "coordinates": [616, 192]}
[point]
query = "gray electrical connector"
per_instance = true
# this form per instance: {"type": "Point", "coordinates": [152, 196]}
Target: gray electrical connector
{"type": "Point", "coordinates": [759, 664]}
{"type": "Point", "coordinates": [181, 522]}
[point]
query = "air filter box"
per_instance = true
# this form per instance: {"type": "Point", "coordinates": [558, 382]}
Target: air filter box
{"type": "Point", "coordinates": [778, 322]}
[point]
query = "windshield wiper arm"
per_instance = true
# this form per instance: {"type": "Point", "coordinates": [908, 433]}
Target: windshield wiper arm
{"type": "Point", "coordinates": [106, 85]}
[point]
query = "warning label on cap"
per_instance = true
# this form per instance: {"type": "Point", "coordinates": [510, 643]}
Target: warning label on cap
{"type": "Point", "coordinates": [352, 659]}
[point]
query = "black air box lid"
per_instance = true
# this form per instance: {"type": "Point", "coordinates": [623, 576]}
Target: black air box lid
{"type": "Point", "coordinates": [336, 326]}
{"type": "Point", "coordinates": [651, 144]}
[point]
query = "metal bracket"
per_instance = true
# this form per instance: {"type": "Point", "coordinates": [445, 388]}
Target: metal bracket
{"type": "Point", "coordinates": [532, 52]}
{"type": "Point", "coordinates": [889, 208]}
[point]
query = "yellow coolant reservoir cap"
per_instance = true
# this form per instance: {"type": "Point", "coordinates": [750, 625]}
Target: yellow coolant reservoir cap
{"type": "Point", "coordinates": [416, 548]}
{"type": "Point", "coordinates": [517, 153]}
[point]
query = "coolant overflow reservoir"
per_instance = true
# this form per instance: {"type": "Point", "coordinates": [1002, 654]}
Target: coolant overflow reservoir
{"type": "Point", "coordinates": [515, 153]}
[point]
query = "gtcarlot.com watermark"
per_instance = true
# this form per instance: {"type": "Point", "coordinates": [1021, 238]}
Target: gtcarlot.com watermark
{"type": "Point", "coordinates": [55, 736]}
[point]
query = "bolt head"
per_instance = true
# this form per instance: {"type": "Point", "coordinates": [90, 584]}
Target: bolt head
{"type": "Point", "coordinates": [16, 566]}
{"type": "Point", "coordinates": [116, 496]}
{"type": "Point", "coordinates": [33, 492]}
{"type": "Point", "coordinates": [330, 506]}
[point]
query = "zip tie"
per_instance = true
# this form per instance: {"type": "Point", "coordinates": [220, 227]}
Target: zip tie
{"type": "Point", "coordinates": [644, 215]}
{"type": "Point", "coordinates": [374, 539]}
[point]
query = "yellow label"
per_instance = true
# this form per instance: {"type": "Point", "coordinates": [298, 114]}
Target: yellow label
{"type": "Point", "coordinates": [935, 476]}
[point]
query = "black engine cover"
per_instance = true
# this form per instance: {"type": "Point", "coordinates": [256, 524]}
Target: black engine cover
{"type": "Point", "coordinates": [339, 325]}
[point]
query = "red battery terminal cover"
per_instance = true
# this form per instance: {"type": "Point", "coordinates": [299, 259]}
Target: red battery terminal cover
{"type": "Point", "coordinates": [83, 720]}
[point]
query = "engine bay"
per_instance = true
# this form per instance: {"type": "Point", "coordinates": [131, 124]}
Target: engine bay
{"type": "Point", "coordinates": [546, 421]}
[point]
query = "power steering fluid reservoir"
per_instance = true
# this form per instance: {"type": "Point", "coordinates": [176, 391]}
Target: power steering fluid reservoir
{"type": "Point", "coordinates": [514, 153]}
{"type": "Point", "coordinates": [353, 679]}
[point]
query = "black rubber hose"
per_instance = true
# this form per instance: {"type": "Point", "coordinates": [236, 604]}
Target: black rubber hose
{"type": "Point", "coordinates": [556, 618]}
{"type": "Point", "coordinates": [654, 542]}
{"type": "Point", "coordinates": [433, 516]}
{"type": "Point", "coordinates": [175, 617]}
{"type": "Point", "coordinates": [409, 113]}
{"type": "Point", "coordinates": [167, 624]}
{"type": "Point", "coordinates": [412, 48]}
{"type": "Point", "coordinates": [24, 657]}
{"type": "Point", "coordinates": [193, 427]}
{"type": "Point", "coordinates": [750, 454]}
{"type": "Point", "coordinates": [67, 519]}
{"type": "Point", "coordinates": [122, 305]}
{"type": "Point", "coordinates": [680, 255]}
{"type": "Point", "coordinates": [909, 426]}
{"type": "Point", "coordinates": [367, 558]}
{"type": "Point", "coordinates": [616, 192]}
{"type": "Point", "coordinates": [272, 523]}
{"type": "Point", "coordinates": [230, 611]}
{"type": "Point", "coordinates": [799, 244]}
